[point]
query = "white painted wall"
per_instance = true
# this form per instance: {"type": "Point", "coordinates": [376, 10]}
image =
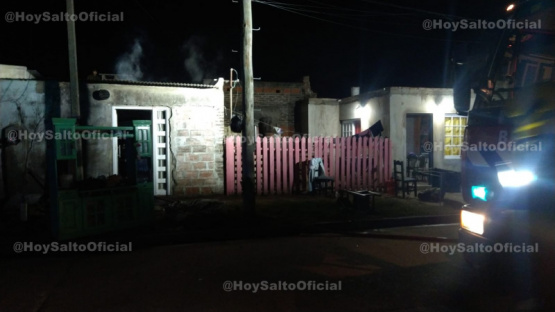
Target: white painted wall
{"type": "Point", "coordinates": [323, 118]}
{"type": "Point", "coordinates": [392, 105]}
{"type": "Point", "coordinates": [14, 72]}
{"type": "Point", "coordinates": [196, 129]}
{"type": "Point", "coordinates": [405, 101]}
{"type": "Point", "coordinates": [369, 108]}
{"type": "Point", "coordinates": [22, 106]}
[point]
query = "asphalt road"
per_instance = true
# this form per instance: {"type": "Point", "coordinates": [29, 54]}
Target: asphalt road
{"type": "Point", "coordinates": [368, 273]}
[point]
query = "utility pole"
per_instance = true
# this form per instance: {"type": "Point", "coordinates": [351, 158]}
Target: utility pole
{"type": "Point", "coordinates": [72, 48]}
{"type": "Point", "coordinates": [230, 93]}
{"type": "Point", "coordinates": [74, 81]}
{"type": "Point", "coordinates": [248, 110]}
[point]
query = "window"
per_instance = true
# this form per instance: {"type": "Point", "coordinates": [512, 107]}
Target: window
{"type": "Point", "coordinates": [350, 127]}
{"type": "Point", "coordinates": [454, 132]}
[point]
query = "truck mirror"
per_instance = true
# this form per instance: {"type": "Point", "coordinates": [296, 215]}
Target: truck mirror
{"type": "Point", "coordinates": [461, 89]}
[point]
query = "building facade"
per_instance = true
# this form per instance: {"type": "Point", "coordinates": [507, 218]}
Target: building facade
{"type": "Point", "coordinates": [187, 128]}
{"type": "Point", "coordinates": [274, 103]}
{"type": "Point", "coordinates": [420, 121]}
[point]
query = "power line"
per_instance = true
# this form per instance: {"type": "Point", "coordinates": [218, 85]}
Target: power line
{"type": "Point", "coordinates": [303, 13]}
{"type": "Point", "coordinates": [331, 10]}
{"type": "Point", "coordinates": [447, 16]}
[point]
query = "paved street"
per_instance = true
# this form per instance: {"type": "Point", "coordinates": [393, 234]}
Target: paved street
{"type": "Point", "coordinates": [375, 274]}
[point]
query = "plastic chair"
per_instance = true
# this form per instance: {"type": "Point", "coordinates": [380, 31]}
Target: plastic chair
{"type": "Point", "coordinates": [317, 179]}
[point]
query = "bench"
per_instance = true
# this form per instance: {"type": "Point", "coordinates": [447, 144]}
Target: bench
{"type": "Point", "coordinates": [362, 199]}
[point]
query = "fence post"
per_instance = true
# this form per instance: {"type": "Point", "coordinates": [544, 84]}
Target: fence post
{"type": "Point", "coordinates": [258, 160]}
{"type": "Point", "coordinates": [229, 166]}
{"type": "Point", "coordinates": [272, 167]}
{"type": "Point", "coordinates": [239, 163]}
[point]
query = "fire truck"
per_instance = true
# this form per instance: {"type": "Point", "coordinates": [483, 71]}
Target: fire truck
{"type": "Point", "coordinates": [508, 153]}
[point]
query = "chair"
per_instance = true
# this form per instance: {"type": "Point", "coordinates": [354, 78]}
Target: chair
{"type": "Point", "coordinates": [421, 167]}
{"type": "Point", "coordinates": [318, 182]}
{"type": "Point", "coordinates": [402, 182]}
{"type": "Point", "coordinates": [412, 160]}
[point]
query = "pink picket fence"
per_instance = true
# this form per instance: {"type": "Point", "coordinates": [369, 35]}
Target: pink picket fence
{"type": "Point", "coordinates": [281, 164]}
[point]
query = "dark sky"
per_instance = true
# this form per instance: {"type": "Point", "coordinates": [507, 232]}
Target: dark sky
{"type": "Point", "coordinates": [339, 44]}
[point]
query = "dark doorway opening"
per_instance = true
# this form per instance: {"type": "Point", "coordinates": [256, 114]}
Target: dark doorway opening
{"type": "Point", "coordinates": [420, 136]}
{"type": "Point", "coordinates": [125, 147]}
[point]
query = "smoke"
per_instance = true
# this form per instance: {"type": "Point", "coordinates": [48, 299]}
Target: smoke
{"type": "Point", "coordinates": [196, 63]}
{"type": "Point", "coordinates": [128, 66]}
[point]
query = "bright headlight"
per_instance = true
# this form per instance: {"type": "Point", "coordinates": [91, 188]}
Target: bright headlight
{"type": "Point", "coordinates": [474, 222]}
{"type": "Point", "coordinates": [511, 178]}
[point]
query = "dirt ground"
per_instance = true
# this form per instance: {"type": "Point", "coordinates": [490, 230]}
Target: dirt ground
{"type": "Point", "coordinates": [177, 217]}
{"type": "Point", "coordinates": [298, 210]}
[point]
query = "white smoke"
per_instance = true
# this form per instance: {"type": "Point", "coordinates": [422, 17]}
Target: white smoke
{"type": "Point", "coordinates": [194, 61]}
{"type": "Point", "coordinates": [196, 64]}
{"type": "Point", "coordinates": [128, 66]}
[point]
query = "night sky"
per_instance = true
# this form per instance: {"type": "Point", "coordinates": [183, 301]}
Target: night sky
{"type": "Point", "coordinates": [339, 44]}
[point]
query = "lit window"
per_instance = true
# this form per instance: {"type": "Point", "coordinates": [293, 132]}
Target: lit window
{"type": "Point", "coordinates": [454, 132]}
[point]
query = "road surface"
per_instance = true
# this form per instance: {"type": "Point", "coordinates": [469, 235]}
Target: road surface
{"type": "Point", "coordinates": [317, 272]}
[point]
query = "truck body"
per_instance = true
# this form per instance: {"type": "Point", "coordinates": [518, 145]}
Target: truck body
{"type": "Point", "coordinates": [508, 154]}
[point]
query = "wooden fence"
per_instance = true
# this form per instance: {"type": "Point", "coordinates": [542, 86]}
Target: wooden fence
{"type": "Point", "coordinates": [281, 164]}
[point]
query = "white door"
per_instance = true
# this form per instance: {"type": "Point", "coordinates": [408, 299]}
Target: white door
{"type": "Point", "coordinates": [160, 139]}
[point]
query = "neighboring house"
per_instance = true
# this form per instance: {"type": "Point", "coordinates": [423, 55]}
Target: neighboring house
{"type": "Point", "coordinates": [187, 127]}
{"type": "Point", "coordinates": [417, 120]}
{"type": "Point", "coordinates": [274, 103]}
{"type": "Point", "coordinates": [318, 117]}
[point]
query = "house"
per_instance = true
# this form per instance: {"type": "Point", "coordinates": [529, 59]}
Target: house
{"type": "Point", "coordinates": [187, 127]}
{"type": "Point", "coordinates": [417, 120]}
{"type": "Point", "coordinates": [274, 104]}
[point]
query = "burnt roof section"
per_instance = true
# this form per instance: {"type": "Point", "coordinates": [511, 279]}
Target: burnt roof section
{"type": "Point", "coordinates": [120, 79]}
{"type": "Point", "coordinates": [154, 83]}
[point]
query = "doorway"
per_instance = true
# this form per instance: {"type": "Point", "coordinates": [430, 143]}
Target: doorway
{"type": "Point", "coordinates": [122, 116]}
{"type": "Point", "coordinates": [420, 136]}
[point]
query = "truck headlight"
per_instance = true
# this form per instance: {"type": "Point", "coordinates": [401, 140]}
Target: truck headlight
{"type": "Point", "coordinates": [512, 178]}
{"type": "Point", "coordinates": [474, 222]}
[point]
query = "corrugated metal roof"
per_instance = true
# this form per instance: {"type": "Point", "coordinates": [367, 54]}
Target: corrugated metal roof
{"type": "Point", "coordinates": [154, 83]}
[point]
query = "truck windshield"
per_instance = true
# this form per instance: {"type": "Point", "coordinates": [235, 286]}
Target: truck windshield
{"type": "Point", "coordinates": [526, 62]}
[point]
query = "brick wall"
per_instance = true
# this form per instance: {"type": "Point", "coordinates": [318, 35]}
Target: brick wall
{"type": "Point", "coordinates": [274, 100]}
{"type": "Point", "coordinates": [196, 135]}
{"type": "Point", "coordinates": [198, 148]}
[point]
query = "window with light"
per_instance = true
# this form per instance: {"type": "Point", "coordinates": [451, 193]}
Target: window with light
{"type": "Point", "coordinates": [350, 127]}
{"type": "Point", "coordinates": [454, 132]}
